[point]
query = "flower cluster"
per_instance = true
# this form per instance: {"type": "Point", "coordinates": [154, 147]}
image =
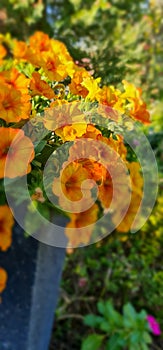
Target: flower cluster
{"type": "Point", "coordinates": [39, 77]}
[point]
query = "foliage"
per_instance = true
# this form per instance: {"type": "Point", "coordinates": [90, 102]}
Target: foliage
{"type": "Point", "coordinates": [119, 268]}
{"type": "Point", "coordinates": [28, 15]}
{"type": "Point", "coordinates": [118, 331]}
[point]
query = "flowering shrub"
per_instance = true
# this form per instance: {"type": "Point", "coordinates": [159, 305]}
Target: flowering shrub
{"type": "Point", "coordinates": [40, 83]}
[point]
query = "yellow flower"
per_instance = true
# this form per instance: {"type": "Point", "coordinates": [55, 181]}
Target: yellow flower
{"type": "Point", "coordinates": [65, 119]}
{"type": "Point", "coordinates": [71, 132]}
{"type": "Point", "coordinates": [60, 50]}
{"type": "Point", "coordinates": [93, 88]}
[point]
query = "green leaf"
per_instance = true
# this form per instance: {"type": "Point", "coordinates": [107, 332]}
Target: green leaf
{"type": "Point", "coordinates": [135, 337]}
{"type": "Point", "coordinates": [93, 320]}
{"type": "Point", "coordinates": [130, 316]}
{"type": "Point", "coordinates": [92, 342]}
{"type": "Point", "coordinates": [113, 315]}
{"type": "Point", "coordinates": [131, 347]}
{"type": "Point", "coordinates": [142, 315]}
{"type": "Point", "coordinates": [129, 311]}
{"type": "Point", "coordinates": [39, 147]}
{"type": "Point", "coordinates": [101, 307]}
{"type": "Point", "coordinates": [144, 347]}
{"type": "Point", "coordinates": [44, 210]}
{"type": "Point", "coordinates": [105, 326]}
{"type": "Point", "coordinates": [115, 343]}
{"type": "Point", "coordinates": [147, 338]}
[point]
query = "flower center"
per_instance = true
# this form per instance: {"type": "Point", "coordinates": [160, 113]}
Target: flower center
{"type": "Point", "coordinates": [6, 104]}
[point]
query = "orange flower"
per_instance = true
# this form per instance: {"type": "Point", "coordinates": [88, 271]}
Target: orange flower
{"type": "Point", "coordinates": [135, 106]}
{"type": "Point", "coordinates": [91, 132]}
{"type": "Point", "coordinates": [40, 87]}
{"type": "Point", "coordinates": [117, 180]}
{"type": "Point", "coordinates": [128, 220]}
{"type": "Point", "coordinates": [84, 224]}
{"type": "Point", "coordinates": [50, 54]}
{"type": "Point", "coordinates": [3, 279]}
{"type": "Point", "coordinates": [87, 154]}
{"type": "Point", "coordinates": [6, 224]}
{"type": "Point", "coordinates": [136, 178]}
{"type": "Point", "coordinates": [86, 148]}
{"type": "Point", "coordinates": [96, 171]}
{"type": "Point", "coordinates": [40, 42]}
{"type": "Point", "coordinates": [109, 142]}
{"type": "Point", "coordinates": [13, 105]}
{"type": "Point", "coordinates": [75, 87]}
{"type": "Point", "coordinates": [54, 67]}
{"type": "Point", "coordinates": [136, 198]}
{"type": "Point", "coordinates": [108, 95]}
{"type": "Point", "coordinates": [139, 112]}
{"type": "Point", "coordinates": [13, 78]}
{"type": "Point", "coordinates": [106, 191]}
{"type": "Point", "coordinates": [21, 50]}
{"type": "Point", "coordinates": [70, 183]}
{"type": "Point", "coordinates": [20, 153]}
{"type": "Point", "coordinates": [122, 150]}
{"type": "Point", "coordinates": [94, 154]}
{"type": "Point", "coordinates": [3, 52]}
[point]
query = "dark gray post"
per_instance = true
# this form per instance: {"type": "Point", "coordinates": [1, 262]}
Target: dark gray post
{"type": "Point", "coordinates": [29, 301]}
{"type": "Point", "coordinates": [44, 296]}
